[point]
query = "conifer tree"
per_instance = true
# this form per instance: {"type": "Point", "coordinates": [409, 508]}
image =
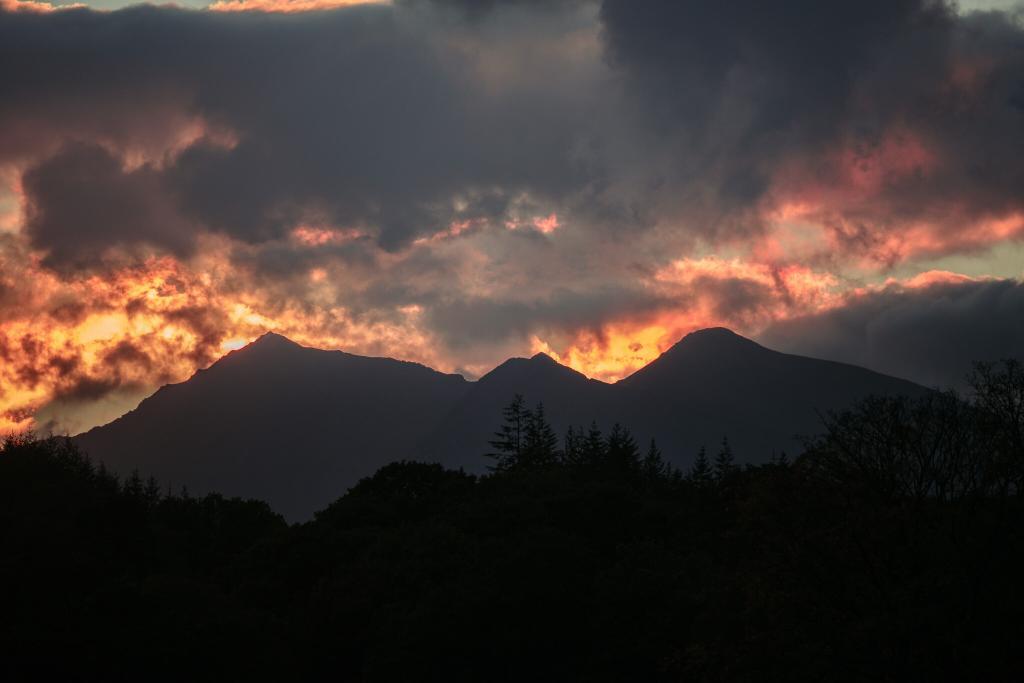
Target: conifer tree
{"type": "Point", "coordinates": [539, 446]}
{"type": "Point", "coordinates": [133, 485]}
{"type": "Point", "coordinates": [508, 440]}
{"type": "Point", "coordinates": [725, 465]}
{"type": "Point", "coordinates": [654, 466]}
{"type": "Point", "coordinates": [572, 448]}
{"type": "Point", "coordinates": [622, 454]}
{"type": "Point", "coordinates": [701, 472]}
{"type": "Point", "coordinates": [593, 447]}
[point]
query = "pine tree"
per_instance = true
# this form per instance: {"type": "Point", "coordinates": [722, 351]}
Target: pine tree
{"type": "Point", "coordinates": [539, 446]}
{"type": "Point", "coordinates": [593, 448]}
{"type": "Point", "coordinates": [701, 472]}
{"type": "Point", "coordinates": [725, 465]}
{"type": "Point", "coordinates": [653, 466]}
{"type": "Point", "coordinates": [622, 454]}
{"type": "Point", "coordinates": [508, 440]}
{"type": "Point", "coordinates": [572, 448]}
{"type": "Point", "coordinates": [133, 485]}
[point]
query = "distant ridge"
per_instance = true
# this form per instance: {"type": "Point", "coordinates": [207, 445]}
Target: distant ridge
{"type": "Point", "coordinates": [297, 426]}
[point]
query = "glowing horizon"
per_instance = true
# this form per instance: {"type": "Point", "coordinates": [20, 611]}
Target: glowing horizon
{"type": "Point", "coordinates": [456, 184]}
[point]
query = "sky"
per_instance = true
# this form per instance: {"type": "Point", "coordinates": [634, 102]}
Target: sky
{"type": "Point", "coordinates": [454, 182]}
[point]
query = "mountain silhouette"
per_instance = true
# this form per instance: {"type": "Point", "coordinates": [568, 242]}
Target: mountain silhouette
{"type": "Point", "coordinates": [710, 385]}
{"type": "Point", "coordinates": [280, 422]}
{"type": "Point", "coordinates": [715, 383]}
{"type": "Point", "coordinates": [297, 426]}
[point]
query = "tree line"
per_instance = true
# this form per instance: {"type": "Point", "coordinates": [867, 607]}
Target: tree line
{"type": "Point", "coordinates": [889, 549]}
{"type": "Point", "coordinates": [526, 441]}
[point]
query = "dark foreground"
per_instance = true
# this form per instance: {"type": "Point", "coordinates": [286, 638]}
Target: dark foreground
{"type": "Point", "coordinates": [890, 550]}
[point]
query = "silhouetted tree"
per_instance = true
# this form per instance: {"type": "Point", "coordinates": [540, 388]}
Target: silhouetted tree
{"type": "Point", "coordinates": [653, 466]}
{"type": "Point", "coordinates": [892, 543]}
{"type": "Point", "coordinates": [998, 396]}
{"type": "Point", "coordinates": [133, 486]}
{"type": "Point", "coordinates": [508, 440]}
{"type": "Point", "coordinates": [572, 448]}
{"type": "Point", "coordinates": [539, 447]}
{"type": "Point", "coordinates": [701, 473]}
{"type": "Point", "coordinates": [725, 465]}
{"type": "Point", "coordinates": [593, 448]}
{"type": "Point", "coordinates": [622, 454]}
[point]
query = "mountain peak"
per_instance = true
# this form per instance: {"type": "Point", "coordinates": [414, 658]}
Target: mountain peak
{"type": "Point", "coordinates": [713, 333]}
{"type": "Point", "coordinates": [711, 346]}
{"type": "Point", "coordinates": [538, 365]}
{"type": "Point", "coordinates": [268, 342]}
{"type": "Point", "coordinates": [268, 338]}
{"type": "Point", "coordinates": [713, 340]}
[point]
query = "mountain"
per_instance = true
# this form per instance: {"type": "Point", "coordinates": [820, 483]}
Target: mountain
{"type": "Point", "coordinates": [715, 383]}
{"type": "Point", "coordinates": [569, 398]}
{"type": "Point", "coordinates": [712, 384]}
{"type": "Point", "coordinates": [280, 422]}
{"type": "Point", "coordinates": [297, 426]}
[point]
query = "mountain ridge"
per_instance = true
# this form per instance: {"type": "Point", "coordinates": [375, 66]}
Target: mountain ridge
{"type": "Point", "coordinates": [296, 425]}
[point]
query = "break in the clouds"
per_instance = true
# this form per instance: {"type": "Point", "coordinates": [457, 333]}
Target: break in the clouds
{"type": "Point", "coordinates": [454, 182]}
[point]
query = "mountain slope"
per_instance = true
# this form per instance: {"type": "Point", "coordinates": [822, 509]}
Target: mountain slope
{"type": "Point", "coordinates": [296, 426]}
{"type": "Point", "coordinates": [290, 425]}
{"type": "Point", "coordinates": [714, 383]}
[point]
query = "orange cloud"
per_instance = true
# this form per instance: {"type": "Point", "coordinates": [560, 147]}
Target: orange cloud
{"type": "Point", "coordinates": [922, 239]}
{"type": "Point", "coordinates": [83, 338]}
{"type": "Point", "coordinates": [309, 236]}
{"type": "Point", "coordinates": [617, 350]}
{"type": "Point", "coordinates": [33, 6]}
{"type": "Point", "coordinates": [711, 291]}
{"type": "Point", "coordinates": [858, 205]}
{"type": "Point", "coordinates": [543, 224]}
{"type": "Point", "coordinates": [923, 280]}
{"type": "Point", "coordinates": [286, 6]}
{"type": "Point", "coordinates": [547, 224]}
{"type": "Point", "coordinates": [455, 229]}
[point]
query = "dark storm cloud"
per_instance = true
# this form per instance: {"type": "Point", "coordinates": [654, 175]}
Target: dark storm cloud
{"type": "Point", "coordinates": [930, 335]}
{"type": "Point", "coordinates": [465, 322]}
{"type": "Point", "coordinates": [756, 99]}
{"type": "Point", "coordinates": [475, 9]}
{"type": "Point", "coordinates": [81, 201]}
{"type": "Point", "coordinates": [357, 117]}
{"type": "Point", "coordinates": [385, 118]}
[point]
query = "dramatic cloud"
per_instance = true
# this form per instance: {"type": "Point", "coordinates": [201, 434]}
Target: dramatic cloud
{"type": "Point", "coordinates": [930, 331]}
{"type": "Point", "coordinates": [453, 182]}
{"type": "Point", "coordinates": [81, 202]}
{"type": "Point", "coordinates": [892, 126]}
{"type": "Point", "coordinates": [365, 117]}
{"type": "Point", "coordinates": [283, 6]}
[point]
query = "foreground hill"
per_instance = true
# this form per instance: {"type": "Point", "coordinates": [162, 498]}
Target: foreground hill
{"type": "Point", "coordinates": [297, 426]}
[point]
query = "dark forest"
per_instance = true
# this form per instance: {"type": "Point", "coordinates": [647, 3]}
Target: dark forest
{"type": "Point", "coordinates": [889, 549]}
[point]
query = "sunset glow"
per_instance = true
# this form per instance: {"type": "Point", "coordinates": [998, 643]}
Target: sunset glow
{"type": "Point", "coordinates": [286, 6]}
{"type": "Point", "coordinates": [454, 185]}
